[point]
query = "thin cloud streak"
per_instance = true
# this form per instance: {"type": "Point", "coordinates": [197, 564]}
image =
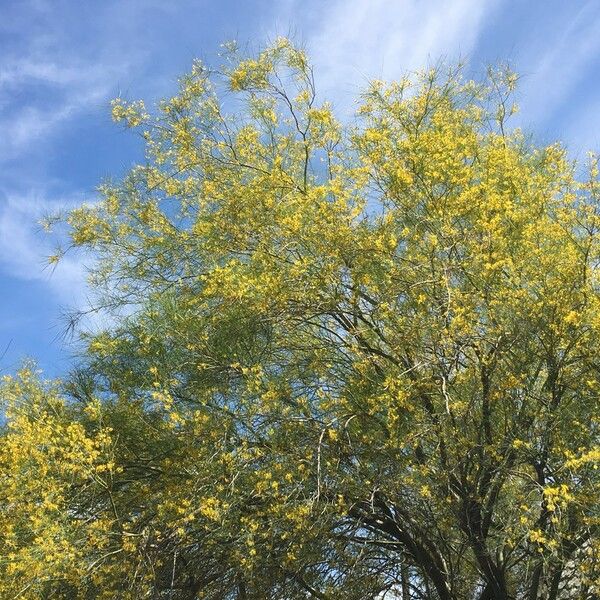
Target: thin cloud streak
{"type": "Point", "coordinates": [62, 93]}
{"type": "Point", "coordinates": [555, 75]}
{"type": "Point", "coordinates": [362, 39]}
{"type": "Point", "coordinates": [25, 248]}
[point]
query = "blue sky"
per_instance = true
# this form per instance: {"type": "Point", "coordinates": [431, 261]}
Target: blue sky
{"type": "Point", "coordinates": [61, 61]}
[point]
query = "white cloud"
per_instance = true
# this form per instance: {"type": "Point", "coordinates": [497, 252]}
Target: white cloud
{"type": "Point", "coordinates": [25, 248]}
{"type": "Point", "coordinates": [554, 76]}
{"type": "Point", "coordinates": [46, 84]}
{"type": "Point", "coordinates": [63, 92]}
{"type": "Point", "coordinates": [359, 40]}
{"type": "Point", "coordinates": [32, 125]}
{"type": "Point", "coordinates": [26, 69]}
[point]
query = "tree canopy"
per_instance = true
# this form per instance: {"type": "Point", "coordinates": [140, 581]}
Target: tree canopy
{"type": "Point", "coordinates": [346, 360]}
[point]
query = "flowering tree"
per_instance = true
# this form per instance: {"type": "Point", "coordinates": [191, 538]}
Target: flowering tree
{"type": "Point", "coordinates": [355, 362]}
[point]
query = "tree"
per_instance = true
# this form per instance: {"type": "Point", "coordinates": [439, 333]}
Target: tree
{"type": "Point", "coordinates": [345, 361]}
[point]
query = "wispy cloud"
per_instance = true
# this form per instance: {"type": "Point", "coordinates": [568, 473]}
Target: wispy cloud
{"type": "Point", "coordinates": [362, 39]}
{"type": "Point", "coordinates": [24, 129]}
{"type": "Point", "coordinates": [554, 74]}
{"type": "Point", "coordinates": [48, 83]}
{"type": "Point", "coordinates": [23, 70]}
{"type": "Point", "coordinates": [53, 93]}
{"type": "Point", "coordinates": [25, 248]}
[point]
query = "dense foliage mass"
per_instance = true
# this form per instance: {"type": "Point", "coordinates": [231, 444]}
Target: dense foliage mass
{"type": "Point", "coordinates": [344, 362]}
